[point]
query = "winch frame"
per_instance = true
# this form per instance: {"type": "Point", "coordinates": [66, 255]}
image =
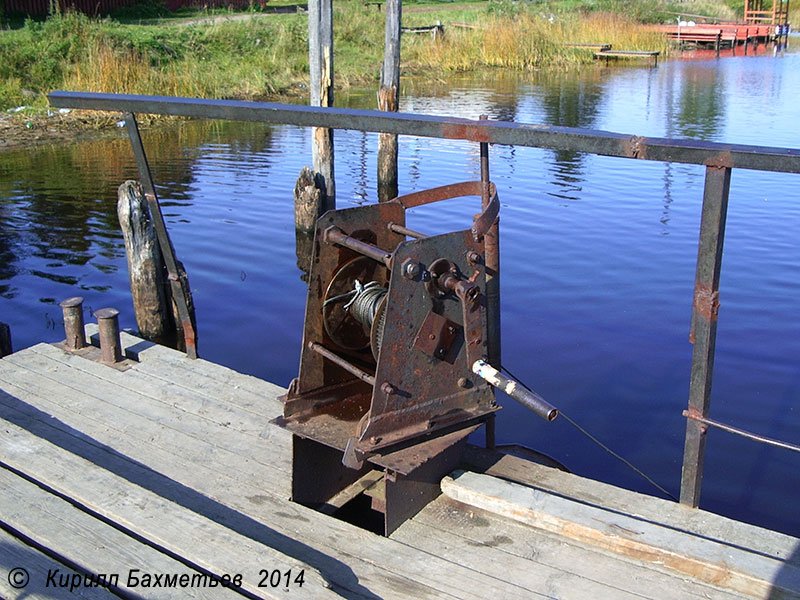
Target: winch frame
{"type": "Point", "coordinates": [408, 412]}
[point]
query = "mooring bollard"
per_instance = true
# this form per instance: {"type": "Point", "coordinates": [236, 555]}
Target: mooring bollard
{"type": "Point", "coordinates": [108, 323]}
{"type": "Point", "coordinates": [73, 323]}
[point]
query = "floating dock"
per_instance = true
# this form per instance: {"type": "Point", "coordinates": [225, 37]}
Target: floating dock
{"type": "Point", "coordinates": [163, 477]}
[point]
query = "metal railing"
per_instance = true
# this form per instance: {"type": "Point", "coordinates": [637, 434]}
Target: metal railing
{"type": "Point", "coordinates": [718, 159]}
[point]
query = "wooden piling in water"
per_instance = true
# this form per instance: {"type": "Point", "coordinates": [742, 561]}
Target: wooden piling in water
{"type": "Point", "coordinates": [5, 340]}
{"type": "Point", "coordinates": [320, 61]}
{"type": "Point", "coordinates": [309, 204]}
{"type": "Point", "coordinates": [156, 315]}
{"type": "Point", "coordinates": [388, 100]}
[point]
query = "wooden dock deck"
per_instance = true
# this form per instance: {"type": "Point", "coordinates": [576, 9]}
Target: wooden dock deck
{"type": "Point", "coordinates": [166, 472]}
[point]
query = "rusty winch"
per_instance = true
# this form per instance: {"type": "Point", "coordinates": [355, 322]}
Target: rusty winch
{"type": "Point", "coordinates": [392, 378]}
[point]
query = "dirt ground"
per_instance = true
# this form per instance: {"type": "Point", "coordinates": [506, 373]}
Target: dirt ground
{"type": "Point", "coordinates": [24, 129]}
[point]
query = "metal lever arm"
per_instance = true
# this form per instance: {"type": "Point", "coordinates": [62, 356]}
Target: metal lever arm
{"type": "Point", "coordinates": [525, 397]}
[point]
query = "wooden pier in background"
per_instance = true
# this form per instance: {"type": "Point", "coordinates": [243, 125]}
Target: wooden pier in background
{"type": "Point", "coordinates": [165, 466]}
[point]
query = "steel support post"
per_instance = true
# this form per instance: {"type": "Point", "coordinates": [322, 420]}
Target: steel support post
{"type": "Point", "coordinates": [492, 263]}
{"type": "Point", "coordinates": [167, 251]}
{"type": "Point", "coordinates": [704, 327]}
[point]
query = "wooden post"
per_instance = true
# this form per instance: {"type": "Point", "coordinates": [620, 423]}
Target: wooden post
{"type": "Point", "coordinates": [320, 62]}
{"type": "Point", "coordinates": [5, 340]}
{"type": "Point", "coordinates": [388, 100]}
{"type": "Point", "coordinates": [308, 207]}
{"type": "Point", "coordinates": [156, 315]}
{"type": "Point", "coordinates": [704, 327]}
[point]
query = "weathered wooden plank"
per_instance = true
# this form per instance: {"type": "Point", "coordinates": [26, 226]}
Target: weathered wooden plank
{"type": "Point", "coordinates": [192, 392]}
{"type": "Point", "coordinates": [538, 580]}
{"type": "Point", "coordinates": [390, 569]}
{"type": "Point", "coordinates": [720, 564]}
{"type": "Point", "coordinates": [139, 349]}
{"type": "Point", "coordinates": [161, 401]}
{"type": "Point", "coordinates": [332, 546]}
{"type": "Point", "coordinates": [217, 497]}
{"type": "Point", "coordinates": [491, 538]}
{"type": "Point", "coordinates": [130, 422]}
{"type": "Point", "coordinates": [14, 554]}
{"type": "Point", "coordinates": [173, 525]}
{"type": "Point", "coordinates": [203, 460]}
{"type": "Point", "coordinates": [90, 545]}
{"type": "Point", "coordinates": [656, 510]}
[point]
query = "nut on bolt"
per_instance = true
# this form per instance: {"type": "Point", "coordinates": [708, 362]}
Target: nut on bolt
{"type": "Point", "coordinates": [411, 269]}
{"type": "Point", "coordinates": [387, 388]}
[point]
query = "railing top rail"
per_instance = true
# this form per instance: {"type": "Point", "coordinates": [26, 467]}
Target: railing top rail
{"type": "Point", "coordinates": [605, 143]}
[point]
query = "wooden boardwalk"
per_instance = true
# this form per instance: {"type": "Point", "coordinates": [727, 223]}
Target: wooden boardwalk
{"type": "Point", "coordinates": [169, 471]}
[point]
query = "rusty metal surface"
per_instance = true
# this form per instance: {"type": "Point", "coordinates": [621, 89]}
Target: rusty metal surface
{"type": "Point", "coordinates": [436, 336]}
{"type": "Point", "coordinates": [334, 235]}
{"type": "Point", "coordinates": [338, 360]}
{"type": "Point", "coordinates": [695, 415]}
{"type": "Point", "coordinates": [364, 223]}
{"type": "Point", "coordinates": [496, 132]}
{"type": "Point", "coordinates": [704, 327]}
{"type": "Point", "coordinates": [406, 494]}
{"type": "Point", "coordinates": [72, 309]}
{"type": "Point", "coordinates": [425, 395]}
{"type": "Point", "coordinates": [108, 326]}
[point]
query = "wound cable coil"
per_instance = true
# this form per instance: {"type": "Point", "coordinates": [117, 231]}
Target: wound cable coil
{"type": "Point", "coordinates": [362, 301]}
{"type": "Point", "coordinates": [365, 302]}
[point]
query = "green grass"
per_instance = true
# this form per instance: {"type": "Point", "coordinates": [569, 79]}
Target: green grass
{"type": "Point", "coordinates": [265, 55]}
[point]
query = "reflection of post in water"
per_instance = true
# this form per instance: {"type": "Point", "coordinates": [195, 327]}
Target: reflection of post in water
{"type": "Point", "coordinates": [571, 100]}
{"type": "Point", "coordinates": [701, 109]}
{"type": "Point", "coordinates": [5, 340]}
{"type": "Point", "coordinates": [664, 220]}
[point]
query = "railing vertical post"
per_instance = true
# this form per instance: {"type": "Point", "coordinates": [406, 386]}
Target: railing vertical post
{"type": "Point", "coordinates": [492, 263]}
{"type": "Point", "coordinates": [179, 294]}
{"type": "Point", "coordinates": [320, 62]}
{"type": "Point", "coordinates": [388, 100]}
{"type": "Point", "coordinates": [704, 326]}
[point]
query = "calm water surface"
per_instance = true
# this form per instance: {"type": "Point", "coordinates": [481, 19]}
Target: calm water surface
{"type": "Point", "coordinates": [598, 256]}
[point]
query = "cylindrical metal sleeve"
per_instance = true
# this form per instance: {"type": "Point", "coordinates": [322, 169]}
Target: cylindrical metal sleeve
{"type": "Point", "coordinates": [519, 393]}
{"type": "Point", "coordinates": [108, 324]}
{"type": "Point", "coordinates": [73, 323]}
{"type": "Point", "coordinates": [334, 235]}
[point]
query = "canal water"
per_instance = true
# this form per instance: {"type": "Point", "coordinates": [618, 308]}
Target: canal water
{"type": "Point", "coordinates": [598, 256]}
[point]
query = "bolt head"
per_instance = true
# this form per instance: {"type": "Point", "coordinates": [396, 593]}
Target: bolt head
{"type": "Point", "coordinates": [412, 269]}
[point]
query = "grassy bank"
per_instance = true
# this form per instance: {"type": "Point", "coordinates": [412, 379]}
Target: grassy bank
{"type": "Point", "coordinates": [251, 56]}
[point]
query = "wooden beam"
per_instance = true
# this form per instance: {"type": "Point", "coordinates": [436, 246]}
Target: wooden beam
{"type": "Point", "coordinates": [320, 62]}
{"type": "Point", "coordinates": [720, 564]}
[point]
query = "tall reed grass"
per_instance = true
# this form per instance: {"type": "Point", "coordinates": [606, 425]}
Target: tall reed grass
{"type": "Point", "coordinates": [530, 41]}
